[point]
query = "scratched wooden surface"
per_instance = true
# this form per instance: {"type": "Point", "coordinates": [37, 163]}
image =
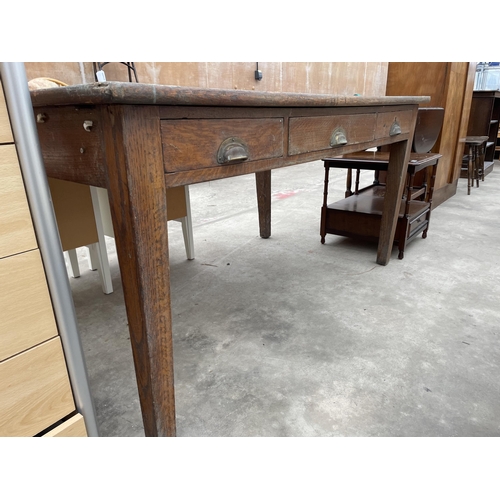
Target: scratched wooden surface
{"type": "Point", "coordinates": [138, 208]}
{"type": "Point", "coordinates": [143, 93]}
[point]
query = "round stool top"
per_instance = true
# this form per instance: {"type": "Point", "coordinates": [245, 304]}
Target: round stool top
{"type": "Point", "coordinates": [476, 139]}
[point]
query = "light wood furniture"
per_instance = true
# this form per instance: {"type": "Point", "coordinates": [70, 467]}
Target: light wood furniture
{"type": "Point", "coordinates": [35, 389]}
{"type": "Point", "coordinates": [27, 317]}
{"type": "Point", "coordinates": [137, 140]}
{"type": "Point", "coordinates": [15, 219]}
{"type": "Point", "coordinates": [77, 226]}
{"type": "Point", "coordinates": [74, 427]}
{"type": "Point", "coordinates": [84, 219]}
{"type": "Point", "coordinates": [178, 209]}
{"type": "Point", "coordinates": [450, 86]}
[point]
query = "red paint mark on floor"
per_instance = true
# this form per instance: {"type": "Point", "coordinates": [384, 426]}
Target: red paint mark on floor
{"type": "Point", "coordinates": [286, 194]}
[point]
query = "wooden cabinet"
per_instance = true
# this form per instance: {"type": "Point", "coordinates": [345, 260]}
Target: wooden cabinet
{"type": "Point", "coordinates": [35, 389]}
{"type": "Point", "coordinates": [450, 86]}
{"type": "Point", "coordinates": [73, 427]}
{"type": "Point", "coordinates": [27, 317]}
{"type": "Point", "coordinates": [484, 119]}
{"type": "Point", "coordinates": [16, 227]}
{"type": "Point", "coordinates": [5, 130]}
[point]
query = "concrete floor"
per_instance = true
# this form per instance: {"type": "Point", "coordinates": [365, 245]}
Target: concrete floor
{"type": "Point", "coordinates": [288, 337]}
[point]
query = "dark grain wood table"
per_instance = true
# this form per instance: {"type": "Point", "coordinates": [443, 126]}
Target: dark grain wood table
{"type": "Point", "coordinates": [136, 140]}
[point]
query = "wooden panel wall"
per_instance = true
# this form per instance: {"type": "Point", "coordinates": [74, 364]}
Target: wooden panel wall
{"type": "Point", "coordinates": [71, 73]}
{"type": "Point", "coordinates": [450, 85]}
{"type": "Point", "coordinates": [364, 78]}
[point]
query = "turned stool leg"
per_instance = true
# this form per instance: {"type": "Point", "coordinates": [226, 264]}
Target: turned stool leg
{"type": "Point", "coordinates": [476, 164]}
{"type": "Point", "coordinates": [324, 207]}
{"type": "Point", "coordinates": [348, 183]}
{"type": "Point", "coordinates": [481, 153]}
{"type": "Point", "coordinates": [469, 169]}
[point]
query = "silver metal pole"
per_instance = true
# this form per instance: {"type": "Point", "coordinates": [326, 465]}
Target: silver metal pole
{"type": "Point", "coordinates": [15, 85]}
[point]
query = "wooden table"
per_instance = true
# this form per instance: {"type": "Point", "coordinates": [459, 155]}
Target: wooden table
{"type": "Point", "coordinates": [138, 139]}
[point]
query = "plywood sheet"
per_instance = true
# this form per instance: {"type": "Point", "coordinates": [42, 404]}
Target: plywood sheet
{"type": "Point", "coordinates": [342, 78]}
{"type": "Point", "coordinates": [338, 78]}
{"type": "Point", "coordinates": [71, 73]}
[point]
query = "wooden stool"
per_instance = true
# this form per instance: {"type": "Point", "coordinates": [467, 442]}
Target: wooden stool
{"type": "Point", "coordinates": [473, 161]}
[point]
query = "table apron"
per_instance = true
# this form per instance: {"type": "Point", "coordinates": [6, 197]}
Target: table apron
{"type": "Point", "coordinates": [195, 176]}
{"type": "Point", "coordinates": [73, 146]}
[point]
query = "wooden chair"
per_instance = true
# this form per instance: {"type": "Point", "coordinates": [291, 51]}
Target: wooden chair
{"type": "Point", "coordinates": [74, 211]}
{"type": "Point", "coordinates": [359, 214]}
{"type": "Point", "coordinates": [84, 220]}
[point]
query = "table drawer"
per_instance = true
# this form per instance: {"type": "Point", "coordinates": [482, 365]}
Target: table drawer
{"type": "Point", "coordinates": [196, 144]}
{"type": "Point", "coordinates": [393, 123]}
{"type": "Point", "coordinates": [317, 133]}
{"type": "Point", "coordinates": [16, 227]}
{"type": "Point", "coordinates": [26, 317]}
{"type": "Point", "coordinates": [418, 224]}
{"type": "Point", "coordinates": [35, 390]}
{"type": "Point", "coordinates": [73, 427]}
